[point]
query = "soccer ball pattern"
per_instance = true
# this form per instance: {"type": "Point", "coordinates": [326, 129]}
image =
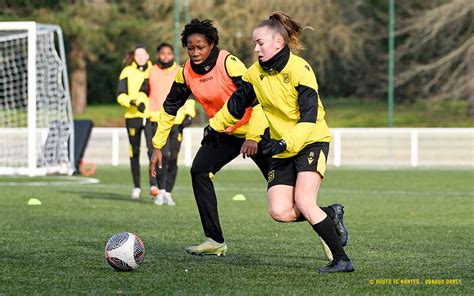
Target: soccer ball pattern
{"type": "Point", "coordinates": [125, 251]}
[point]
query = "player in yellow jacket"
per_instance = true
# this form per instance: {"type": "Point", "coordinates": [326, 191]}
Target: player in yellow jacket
{"type": "Point", "coordinates": [211, 75]}
{"type": "Point", "coordinates": [286, 87]}
{"type": "Point", "coordinates": [162, 76]}
{"type": "Point", "coordinates": [132, 94]}
{"type": "Point", "coordinates": [167, 173]}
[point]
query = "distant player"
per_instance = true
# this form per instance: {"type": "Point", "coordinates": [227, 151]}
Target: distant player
{"type": "Point", "coordinates": [286, 87]}
{"type": "Point", "coordinates": [211, 75]}
{"type": "Point", "coordinates": [132, 94]}
{"type": "Point", "coordinates": [162, 76]}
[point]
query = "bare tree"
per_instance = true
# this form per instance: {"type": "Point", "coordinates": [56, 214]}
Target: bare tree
{"type": "Point", "coordinates": [333, 34]}
{"type": "Point", "coordinates": [437, 52]}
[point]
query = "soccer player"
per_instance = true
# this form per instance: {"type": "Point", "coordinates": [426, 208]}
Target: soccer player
{"type": "Point", "coordinates": [162, 77]}
{"type": "Point", "coordinates": [211, 75]}
{"type": "Point", "coordinates": [132, 94]}
{"type": "Point", "coordinates": [286, 87]}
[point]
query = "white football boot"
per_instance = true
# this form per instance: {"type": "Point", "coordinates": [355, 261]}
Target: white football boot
{"type": "Point", "coordinates": [168, 199]}
{"type": "Point", "coordinates": [136, 193]}
{"type": "Point", "coordinates": [209, 247]}
{"type": "Point", "coordinates": [160, 198]}
{"type": "Point", "coordinates": [326, 249]}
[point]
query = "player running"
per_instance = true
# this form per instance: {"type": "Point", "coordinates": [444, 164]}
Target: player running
{"type": "Point", "coordinates": [211, 75]}
{"type": "Point", "coordinates": [162, 77]}
{"type": "Point", "coordinates": [286, 87]}
{"type": "Point", "coordinates": [132, 94]}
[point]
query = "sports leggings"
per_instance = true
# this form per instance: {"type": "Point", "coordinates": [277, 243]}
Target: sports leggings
{"type": "Point", "coordinates": [208, 161]}
{"type": "Point", "coordinates": [135, 127]}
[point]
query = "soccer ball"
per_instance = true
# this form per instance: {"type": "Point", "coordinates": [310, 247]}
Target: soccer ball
{"type": "Point", "coordinates": [125, 251]}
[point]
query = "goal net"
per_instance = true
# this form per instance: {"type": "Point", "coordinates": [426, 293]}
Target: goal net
{"type": "Point", "coordinates": [36, 124]}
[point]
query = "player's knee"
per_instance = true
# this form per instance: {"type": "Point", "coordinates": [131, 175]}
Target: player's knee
{"type": "Point", "coordinates": [173, 159]}
{"type": "Point", "coordinates": [200, 168]}
{"type": "Point", "coordinates": [305, 207]}
{"type": "Point", "coordinates": [282, 214]}
{"type": "Point", "coordinates": [195, 170]}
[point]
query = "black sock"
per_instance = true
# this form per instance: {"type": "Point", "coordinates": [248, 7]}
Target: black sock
{"type": "Point", "coordinates": [327, 232]}
{"type": "Point", "coordinates": [329, 211]}
{"type": "Point", "coordinates": [301, 218]}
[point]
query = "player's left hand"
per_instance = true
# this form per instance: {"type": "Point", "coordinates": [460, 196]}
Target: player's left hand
{"type": "Point", "coordinates": [141, 107]}
{"type": "Point", "coordinates": [271, 147]}
{"type": "Point", "coordinates": [186, 122]}
{"type": "Point", "coordinates": [156, 158]}
{"type": "Point", "coordinates": [249, 148]}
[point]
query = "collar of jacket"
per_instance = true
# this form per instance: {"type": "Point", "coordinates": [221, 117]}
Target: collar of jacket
{"type": "Point", "coordinates": [142, 67]}
{"type": "Point", "coordinates": [277, 62]}
{"type": "Point", "coordinates": [165, 66]}
{"type": "Point", "coordinates": [208, 64]}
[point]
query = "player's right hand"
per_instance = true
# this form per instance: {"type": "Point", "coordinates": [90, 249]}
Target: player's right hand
{"type": "Point", "coordinates": [249, 148]}
{"type": "Point", "coordinates": [271, 146]}
{"type": "Point", "coordinates": [156, 158]}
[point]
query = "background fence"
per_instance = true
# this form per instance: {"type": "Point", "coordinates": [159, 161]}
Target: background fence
{"type": "Point", "coordinates": [366, 147]}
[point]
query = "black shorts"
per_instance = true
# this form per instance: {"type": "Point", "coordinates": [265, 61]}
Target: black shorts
{"type": "Point", "coordinates": [312, 158]}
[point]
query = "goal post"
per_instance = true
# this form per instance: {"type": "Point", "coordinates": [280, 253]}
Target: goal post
{"type": "Point", "coordinates": [36, 123]}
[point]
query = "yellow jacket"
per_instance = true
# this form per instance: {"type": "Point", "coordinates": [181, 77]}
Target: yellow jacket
{"type": "Point", "coordinates": [290, 100]}
{"type": "Point", "coordinates": [133, 88]}
{"type": "Point", "coordinates": [189, 108]}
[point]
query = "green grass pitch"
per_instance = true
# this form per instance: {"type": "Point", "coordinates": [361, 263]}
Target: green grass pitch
{"type": "Point", "coordinates": [406, 227]}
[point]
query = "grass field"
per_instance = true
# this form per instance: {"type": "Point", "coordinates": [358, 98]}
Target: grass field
{"type": "Point", "coordinates": [404, 224]}
{"type": "Point", "coordinates": [347, 112]}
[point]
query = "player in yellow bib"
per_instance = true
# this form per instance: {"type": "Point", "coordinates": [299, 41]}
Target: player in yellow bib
{"type": "Point", "coordinates": [286, 87]}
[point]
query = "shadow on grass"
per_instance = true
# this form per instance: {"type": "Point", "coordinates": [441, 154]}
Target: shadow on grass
{"type": "Point", "coordinates": [172, 254]}
{"type": "Point", "coordinates": [106, 196]}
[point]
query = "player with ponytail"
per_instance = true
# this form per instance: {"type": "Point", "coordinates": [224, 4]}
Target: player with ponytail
{"type": "Point", "coordinates": [285, 86]}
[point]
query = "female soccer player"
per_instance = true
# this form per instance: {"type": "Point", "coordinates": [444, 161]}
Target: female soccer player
{"type": "Point", "coordinates": [286, 87]}
{"type": "Point", "coordinates": [211, 75]}
{"type": "Point", "coordinates": [162, 77]}
{"type": "Point", "coordinates": [132, 94]}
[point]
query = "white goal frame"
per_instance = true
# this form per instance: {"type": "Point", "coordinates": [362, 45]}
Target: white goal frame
{"type": "Point", "coordinates": [32, 29]}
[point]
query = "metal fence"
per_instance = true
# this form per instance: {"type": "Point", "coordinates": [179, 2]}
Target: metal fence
{"type": "Point", "coordinates": [365, 147]}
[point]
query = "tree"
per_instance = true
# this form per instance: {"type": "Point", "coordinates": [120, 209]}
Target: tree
{"type": "Point", "coordinates": [333, 35]}
{"type": "Point", "coordinates": [436, 50]}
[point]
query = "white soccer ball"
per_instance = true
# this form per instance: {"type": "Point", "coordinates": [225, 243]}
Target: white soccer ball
{"type": "Point", "coordinates": [125, 251]}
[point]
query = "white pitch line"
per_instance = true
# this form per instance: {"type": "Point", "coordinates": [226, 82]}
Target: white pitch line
{"type": "Point", "coordinates": [67, 181]}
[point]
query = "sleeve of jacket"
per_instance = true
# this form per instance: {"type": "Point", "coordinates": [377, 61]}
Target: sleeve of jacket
{"type": "Point", "coordinates": [257, 124]}
{"type": "Point", "coordinates": [165, 122]}
{"type": "Point", "coordinates": [308, 98]}
{"type": "Point", "coordinates": [235, 107]}
{"type": "Point", "coordinates": [122, 89]}
{"type": "Point", "coordinates": [143, 94]}
{"type": "Point", "coordinates": [176, 99]}
{"type": "Point", "coordinates": [190, 107]}
{"type": "Point", "coordinates": [235, 69]}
